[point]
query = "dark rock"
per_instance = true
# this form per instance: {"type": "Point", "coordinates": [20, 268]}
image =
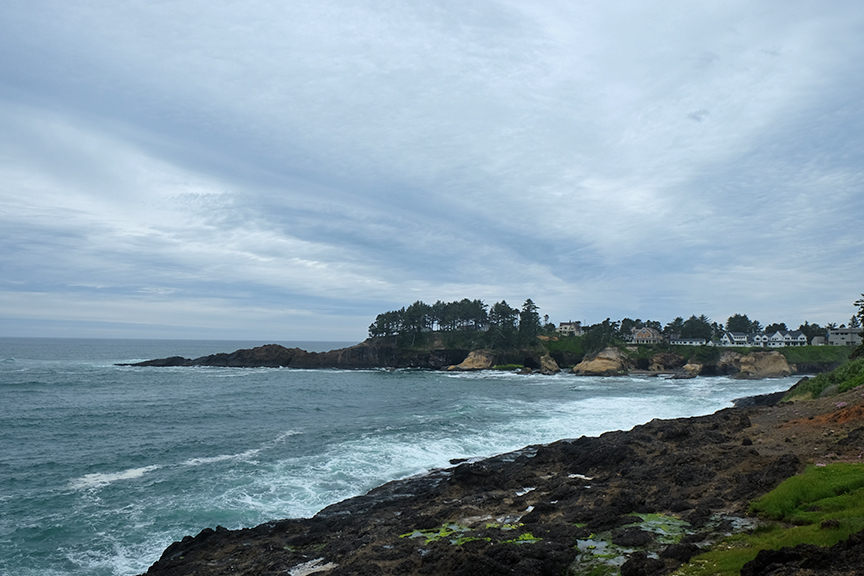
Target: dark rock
{"type": "Point", "coordinates": [632, 538]}
{"type": "Point", "coordinates": [639, 564]}
{"type": "Point", "coordinates": [680, 552]}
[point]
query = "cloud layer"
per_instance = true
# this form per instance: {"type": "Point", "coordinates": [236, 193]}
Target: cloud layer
{"type": "Point", "coordinates": [288, 170]}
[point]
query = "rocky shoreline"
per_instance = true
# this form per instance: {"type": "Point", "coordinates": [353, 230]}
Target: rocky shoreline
{"type": "Point", "coordinates": [643, 501]}
{"type": "Point", "coordinates": [611, 361]}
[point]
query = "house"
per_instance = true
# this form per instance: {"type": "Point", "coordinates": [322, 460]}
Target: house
{"type": "Point", "coordinates": [738, 339]}
{"type": "Point", "coordinates": [778, 339]}
{"type": "Point", "coordinates": [687, 341]}
{"type": "Point", "coordinates": [844, 336]}
{"type": "Point", "coordinates": [570, 328]}
{"type": "Point", "coordinates": [784, 338]}
{"type": "Point", "coordinates": [645, 335]}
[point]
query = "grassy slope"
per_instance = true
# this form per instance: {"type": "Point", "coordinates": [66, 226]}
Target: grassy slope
{"type": "Point", "coordinates": [822, 506]}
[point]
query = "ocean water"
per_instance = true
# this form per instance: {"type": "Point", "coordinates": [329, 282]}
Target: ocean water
{"type": "Point", "coordinates": [102, 466]}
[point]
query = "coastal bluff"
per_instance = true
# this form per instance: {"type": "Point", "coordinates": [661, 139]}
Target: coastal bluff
{"type": "Point", "coordinates": [652, 498]}
{"type": "Point", "coordinates": [367, 354]}
{"type": "Point", "coordinates": [379, 353]}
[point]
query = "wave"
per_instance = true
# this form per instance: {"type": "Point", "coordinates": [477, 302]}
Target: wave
{"type": "Point", "coordinates": [100, 479]}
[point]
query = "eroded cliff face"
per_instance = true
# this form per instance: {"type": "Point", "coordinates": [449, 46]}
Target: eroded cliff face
{"type": "Point", "coordinates": [758, 365]}
{"type": "Point", "coordinates": [608, 362]}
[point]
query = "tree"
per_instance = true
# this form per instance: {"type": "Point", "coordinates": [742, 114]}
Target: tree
{"type": "Point", "coordinates": [854, 322]}
{"type": "Point", "coordinates": [699, 327]}
{"type": "Point", "coordinates": [811, 330]}
{"type": "Point", "coordinates": [626, 326]}
{"type": "Point", "coordinates": [860, 314]}
{"type": "Point", "coordinates": [529, 322]}
{"type": "Point", "coordinates": [598, 336]}
{"type": "Point", "coordinates": [741, 323]}
{"type": "Point", "coordinates": [772, 328]}
{"type": "Point", "coordinates": [502, 324]}
{"type": "Point", "coordinates": [676, 326]}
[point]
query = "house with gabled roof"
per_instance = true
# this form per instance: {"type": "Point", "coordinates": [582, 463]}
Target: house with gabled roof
{"type": "Point", "coordinates": [570, 328]}
{"type": "Point", "coordinates": [738, 339]}
{"type": "Point", "coordinates": [785, 338]}
{"type": "Point", "coordinates": [645, 335]}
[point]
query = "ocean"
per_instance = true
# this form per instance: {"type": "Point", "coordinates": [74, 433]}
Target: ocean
{"type": "Point", "coordinates": [103, 466]}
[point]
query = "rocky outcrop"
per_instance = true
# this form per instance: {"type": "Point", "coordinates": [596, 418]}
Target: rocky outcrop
{"type": "Point", "coordinates": [369, 354]}
{"type": "Point", "coordinates": [608, 362]}
{"type": "Point", "coordinates": [548, 365]}
{"type": "Point", "coordinates": [728, 363]}
{"type": "Point", "coordinates": [688, 371]}
{"type": "Point", "coordinates": [665, 362]}
{"type": "Point", "coordinates": [476, 360]}
{"type": "Point", "coordinates": [758, 365]}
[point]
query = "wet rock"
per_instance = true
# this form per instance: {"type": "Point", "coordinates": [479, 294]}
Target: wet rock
{"type": "Point", "coordinates": [640, 564]}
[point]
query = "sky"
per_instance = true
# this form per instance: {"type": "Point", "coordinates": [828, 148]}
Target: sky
{"type": "Point", "coordinates": [286, 170]}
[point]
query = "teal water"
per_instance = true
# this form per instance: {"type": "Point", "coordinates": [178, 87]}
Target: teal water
{"type": "Point", "coordinates": [102, 467]}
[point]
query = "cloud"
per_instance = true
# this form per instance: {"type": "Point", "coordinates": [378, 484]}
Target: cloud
{"type": "Point", "coordinates": [347, 159]}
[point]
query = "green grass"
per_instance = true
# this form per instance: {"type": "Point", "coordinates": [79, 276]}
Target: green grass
{"type": "Point", "coordinates": [815, 353]}
{"type": "Point", "coordinates": [834, 492]}
{"type": "Point", "coordinates": [572, 344]}
{"type": "Point", "coordinates": [846, 377]}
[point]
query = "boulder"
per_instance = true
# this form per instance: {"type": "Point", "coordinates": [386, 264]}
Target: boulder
{"type": "Point", "coordinates": [690, 370]}
{"type": "Point", "coordinates": [476, 360]}
{"type": "Point", "coordinates": [757, 365]}
{"type": "Point", "coordinates": [608, 362]}
{"type": "Point", "coordinates": [548, 365]}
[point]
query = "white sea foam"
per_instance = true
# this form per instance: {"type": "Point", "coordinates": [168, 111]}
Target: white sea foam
{"type": "Point", "coordinates": [241, 457]}
{"type": "Point", "coordinates": [246, 456]}
{"type": "Point", "coordinates": [100, 479]}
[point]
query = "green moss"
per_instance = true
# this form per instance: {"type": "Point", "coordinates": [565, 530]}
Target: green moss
{"type": "Point", "coordinates": [458, 535]}
{"type": "Point", "coordinates": [834, 492]}
{"type": "Point", "coordinates": [507, 367]}
{"type": "Point", "coordinates": [668, 529]}
{"type": "Point", "coordinates": [526, 538]}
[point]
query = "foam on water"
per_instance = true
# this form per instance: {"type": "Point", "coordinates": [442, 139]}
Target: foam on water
{"type": "Point", "coordinates": [156, 454]}
{"type": "Point", "coordinates": [97, 480]}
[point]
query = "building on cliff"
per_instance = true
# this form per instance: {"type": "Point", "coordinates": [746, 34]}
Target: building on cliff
{"type": "Point", "coordinates": [844, 336]}
{"type": "Point", "coordinates": [570, 328]}
{"type": "Point", "coordinates": [645, 335]}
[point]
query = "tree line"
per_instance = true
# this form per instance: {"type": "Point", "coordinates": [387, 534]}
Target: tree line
{"type": "Point", "coordinates": [505, 325]}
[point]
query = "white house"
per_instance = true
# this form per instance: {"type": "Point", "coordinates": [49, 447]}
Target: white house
{"type": "Point", "coordinates": [687, 341]}
{"type": "Point", "coordinates": [785, 338]}
{"type": "Point", "coordinates": [738, 339]}
{"type": "Point", "coordinates": [570, 328]}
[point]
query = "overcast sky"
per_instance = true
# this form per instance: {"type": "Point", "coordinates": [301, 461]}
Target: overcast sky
{"type": "Point", "coordinates": [287, 169]}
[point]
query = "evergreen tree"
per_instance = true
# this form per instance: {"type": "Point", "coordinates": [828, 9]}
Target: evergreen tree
{"type": "Point", "coordinates": [529, 322]}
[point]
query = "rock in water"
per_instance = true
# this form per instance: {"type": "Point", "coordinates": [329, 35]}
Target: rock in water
{"type": "Point", "coordinates": [608, 362]}
{"type": "Point", "coordinates": [476, 360]}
